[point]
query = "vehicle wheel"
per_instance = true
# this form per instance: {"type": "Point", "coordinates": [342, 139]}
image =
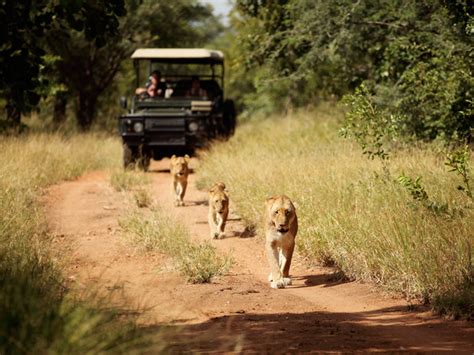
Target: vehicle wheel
{"type": "Point", "coordinates": [229, 118]}
{"type": "Point", "coordinates": [129, 157]}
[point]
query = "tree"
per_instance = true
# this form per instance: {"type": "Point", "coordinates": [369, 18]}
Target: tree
{"type": "Point", "coordinates": [416, 56]}
{"type": "Point", "coordinates": [87, 70]}
{"type": "Point", "coordinates": [22, 26]}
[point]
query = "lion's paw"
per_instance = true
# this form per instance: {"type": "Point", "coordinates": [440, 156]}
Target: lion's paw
{"type": "Point", "coordinates": [277, 284]}
{"type": "Point", "coordinates": [287, 281]}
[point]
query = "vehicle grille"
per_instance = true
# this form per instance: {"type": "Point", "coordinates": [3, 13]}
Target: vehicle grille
{"type": "Point", "coordinates": [166, 131]}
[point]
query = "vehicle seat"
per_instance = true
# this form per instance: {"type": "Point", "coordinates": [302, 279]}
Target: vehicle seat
{"type": "Point", "coordinates": [181, 87]}
{"type": "Point", "coordinates": [212, 87]}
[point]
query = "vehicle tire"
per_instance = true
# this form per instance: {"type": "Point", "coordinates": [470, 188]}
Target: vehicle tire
{"type": "Point", "coordinates": [129, 156]}
{"type": "Point", "coordinates": [229, 117]}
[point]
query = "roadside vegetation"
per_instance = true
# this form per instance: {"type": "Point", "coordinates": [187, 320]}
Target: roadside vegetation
{"type": "Point", "coordinates": [159, 231]}
{"type": "Point", "coordinates": [128, 180]}
{"type": "Point", "coordinates": [391, 204]}
{"type": "Point", "coordinates": [37, 315]}
{"type": "Point", "coordinates": [411, 235]}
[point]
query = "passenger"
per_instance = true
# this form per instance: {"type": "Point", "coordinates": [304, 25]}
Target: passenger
{"type": "Point", "coordinates": [196, 89]}
{"type": "Point", "coordinates": [154, 87]}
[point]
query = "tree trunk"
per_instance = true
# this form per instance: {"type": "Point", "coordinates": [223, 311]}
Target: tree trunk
{"type": "Point", "coordinates": [86, 107]}
{"type": "Point", "coordinates": [60, 103]}
{"type": "Point", "coordinates": [13, 115]}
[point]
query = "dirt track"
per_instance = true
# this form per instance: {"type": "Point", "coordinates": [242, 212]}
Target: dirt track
{"type": "Point", "coordinates": [238, 311]}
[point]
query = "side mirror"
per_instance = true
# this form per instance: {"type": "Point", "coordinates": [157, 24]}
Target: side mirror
{"type": "Point", "coordinates": [123, 102]}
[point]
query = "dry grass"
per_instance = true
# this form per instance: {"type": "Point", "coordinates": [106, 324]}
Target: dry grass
{"type": "Point", "coordinates": [199, 263]}
{"type": "Point", "coordinates": [142, 198]}
{"type": "Point", "coordinates": [36, 316]}
{"type": "Point", "coordinates": [350, 211]}
{"type": "Point", "coordinates": [128, 180]}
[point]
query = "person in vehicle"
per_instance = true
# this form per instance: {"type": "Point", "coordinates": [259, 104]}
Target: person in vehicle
{"type": "Point", "coordinates": [154, 87]}
{"type": "Point", "coordinates": [196, 89]}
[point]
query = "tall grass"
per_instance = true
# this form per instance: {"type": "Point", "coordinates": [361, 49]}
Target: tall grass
{"type": "Point", "coordinates": [350, 211]}
{"type": "Point", "coordinates": [36, 314]}
{"type": "Point", "coordinates": [198, 262]}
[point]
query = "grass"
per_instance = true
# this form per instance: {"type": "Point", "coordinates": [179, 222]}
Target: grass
{"type": "Point", "coordinates": [159, 231]}
{"type": "Point", "coordinates": [36, 313]}
{"type": "Point", "coordinates": [142, 198]}
{"type": "Point", "coordinates": [352, 211]}
{"type": "Point", "coordinates": [128, 180]}
{"type": "Point", "coordinates": [134, 181]}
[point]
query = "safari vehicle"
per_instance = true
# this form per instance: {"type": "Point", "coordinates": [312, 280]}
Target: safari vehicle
{"type": "Point", "coordinates": [175, 122]}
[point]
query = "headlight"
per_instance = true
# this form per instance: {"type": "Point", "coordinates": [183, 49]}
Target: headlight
{"type": "Point", "coordinates": [138, 127]}
{"type": "Point", "coordinates": [193, 126]}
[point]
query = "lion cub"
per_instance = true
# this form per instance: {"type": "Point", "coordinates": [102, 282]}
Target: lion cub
{"type": "Point", "coordinates": [218, 210]}
{"type": "Point", "coordinates": [180, 171]}
{"type": "Point", "coordinates": [281, 226]}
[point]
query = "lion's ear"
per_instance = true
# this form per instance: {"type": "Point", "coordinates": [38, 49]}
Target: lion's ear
{"type": "Point", "coordinates": [173, 158]}
{"type": "Point", "coordinates": [187, 158]}
{"type": "Point", "coordinates": [295, 205]}
{"type": "Point", "coordinates": [269, 201]}
{"type": "Point", "coordinates": [217, 186]}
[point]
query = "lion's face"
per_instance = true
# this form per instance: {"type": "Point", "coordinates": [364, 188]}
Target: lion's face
{"type": "Point", "coordinates": [218, 199]}
{"type": "Point", "coordinates": [280, 213]}
{"type": "Point", "coordinates": [179, 165]}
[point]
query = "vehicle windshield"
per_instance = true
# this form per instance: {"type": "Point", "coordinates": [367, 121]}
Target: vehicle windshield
{"type": "Point", "coordinates": [158, 81]}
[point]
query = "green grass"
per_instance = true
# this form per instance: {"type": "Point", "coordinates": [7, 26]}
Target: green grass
{"type": "Point", "coordinates": [350, 211]}
{"type": "Point", "coordinates": [36, 313]}
{"type": "Point", "coordinates": [159, 231]}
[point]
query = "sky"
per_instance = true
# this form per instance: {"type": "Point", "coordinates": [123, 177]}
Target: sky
{"type": "Point", "coordinates": [221, 7]}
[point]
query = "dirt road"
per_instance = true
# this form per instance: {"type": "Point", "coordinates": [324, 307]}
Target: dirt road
{"type": "Point", "coordinates": [238, 311]}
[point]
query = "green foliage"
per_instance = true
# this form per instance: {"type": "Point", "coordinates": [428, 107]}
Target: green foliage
{"type": "Point", "coordinates": [370, 127]}
{"type": "Point", "coordinates": [414, 187]}
{"type": "Point", "coordinates": [183, 23]}
{"type": "Point", "coordinates": [23, 26]}
{"type": "Point", "coordinates": [417, 61]}
{"type": "Point", "coordinates": [419, 194]}
{"type": "Point", "coordinates": [458, 162]}
{"type": "Point", "coordinates": [89, 41]}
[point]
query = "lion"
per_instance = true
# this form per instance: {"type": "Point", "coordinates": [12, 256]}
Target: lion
{"type": "Point", "coordinates": [281, 226]}
{"type": "Point", "coordinates": [218, 210]}
{"type": "Point", "coordinates": [180, 171]}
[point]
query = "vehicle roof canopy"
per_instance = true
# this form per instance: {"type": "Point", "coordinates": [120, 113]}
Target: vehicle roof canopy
{"type": "Point", "coordinates": [180, 55]}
